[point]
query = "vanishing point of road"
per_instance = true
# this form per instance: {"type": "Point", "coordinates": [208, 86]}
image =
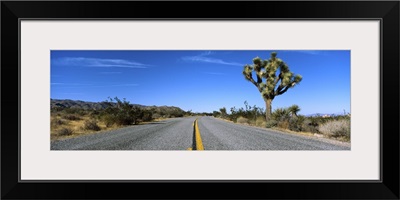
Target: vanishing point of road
{"type": "Point", "coordinates": [191, 133]}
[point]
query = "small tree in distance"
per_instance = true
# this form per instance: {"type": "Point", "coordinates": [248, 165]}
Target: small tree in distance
{"type": "Point", "coordinates": [223, 112]}
{"type": "Point", "coordinates": [278, 79]}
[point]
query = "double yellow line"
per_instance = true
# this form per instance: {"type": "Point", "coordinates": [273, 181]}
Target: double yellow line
{"type": "Point", "coordinates": [197, 143]}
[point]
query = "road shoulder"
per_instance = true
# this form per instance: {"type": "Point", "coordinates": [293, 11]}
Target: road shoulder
{"type": "Point", "coordinates": [304, 135]}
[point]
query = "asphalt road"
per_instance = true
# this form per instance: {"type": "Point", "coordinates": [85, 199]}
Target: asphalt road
{"type": "Point", "coordinates": [178, 134]}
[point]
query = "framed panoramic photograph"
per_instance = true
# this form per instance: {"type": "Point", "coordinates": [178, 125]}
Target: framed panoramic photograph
{"type": "Point", "coordinates": [119, 95]}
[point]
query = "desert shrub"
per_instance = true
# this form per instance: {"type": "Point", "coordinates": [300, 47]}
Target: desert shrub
{"type": "Point", "coordinates": [73, 110]}
{"type": "Point", "coordinates": [296, 123]}
{"type": "Point", "coordinates": [156, 116]}
{"type": "Point", "coordinates": [122, 114]}
{"type": "Point", "coordinates": [176, 113]}
{"type": "Point", "coordinates": [262, 124]}
{"type": "Point", "coordinates": [65, 132]}
{"type": "Point", "coordinates": [336, 128]}
{"type": "Point", "coordinates": [249, 112]}
{"type": "Point", "coordinates": [223, 112]}
{"type": "Point", "coordinates": [57, 122]}
{"type": "Point", "coordinates": [108, 120]}
{"type": "Point", "coordinates": [72, 117]}
{"type": "Point", "coordinates": [251, 122]}
{"type": "Point", "coordinates": [271, 123]}
{"type": "Point", "coordinates": [166, 115]}
{"type": "Point", "coordinates": [281, 114]}
{"type": "Point", "coordinates": [242, 120]}
{"type": "Point", "coordinates": [310, 124]}
{"type": "Point", "coordinates": [232, 118]}
{"type": "Point", "coordinates": [283, 124]}
{"type": "Point", "coordinates": [94, 113]}
{"type": "Point", "coordinates": [147, 116]}
{"type": "Point", "coordinates": [261, 121]}
{"type": "Point", "coordinates": [216, 114]}
{"type": "Point", "coordinates": [91, 125]}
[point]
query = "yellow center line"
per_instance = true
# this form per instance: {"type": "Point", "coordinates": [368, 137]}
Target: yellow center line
{"type": "Point", "coordinates": [199, 143]}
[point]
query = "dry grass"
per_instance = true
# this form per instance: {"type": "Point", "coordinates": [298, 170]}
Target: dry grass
{"type": "Point", "coordinates": [76, 126]}
{"type": "Point", "coordinates": [55, 121]}
{"type": "Point", "coordinates": [72, 117]}
{"type": "Point", "coordinates": [295, 132]}
{"type": "Point", "coordinates": [337, 129]}
{"type": "Point", "coordinates": [309, 134]}
{"type": "Point", "coordinates": [68, 126]}
{"type": "Point", "coordinates": [261, 122]}
{"type": "Point", "coordinates": [283, 124]}
{"type": "Point", "coordinates": [242, 120]}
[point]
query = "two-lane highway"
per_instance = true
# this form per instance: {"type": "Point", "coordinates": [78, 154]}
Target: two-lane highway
{"type": "Point", "coordinates": [178, 134]}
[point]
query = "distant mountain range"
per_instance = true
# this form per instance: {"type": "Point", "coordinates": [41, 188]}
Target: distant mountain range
{"type": "Point", "coordinates": [325, 114]}
{"type": "Point", "coordinates": [67, 103]}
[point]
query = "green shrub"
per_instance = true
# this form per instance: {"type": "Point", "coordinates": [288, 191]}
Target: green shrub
{"type": "Point", "coordinates": [281, 114]}
{"type": "Point", "coordinates": [310, 124]}
{"type": "Point", "coordinates": [271, 123]}
{"type": "Point", "coordinates": [296, 123]}
{"type": "Point", "coordinates": [147, 116]}
{"type": "Point", "coordinates": [261, 121]}
{"type": "Point", "coordinates": [65, 132]}
{"type": "Point", "coordinates": [336, 128]}
{"type": "Point", "coordinates": [91, 125]}
{"type": "Point", "coordinates": [108, 119]}
{"type": "Point", "coordinates": [233, 118]}
{"type": "Point", "coordinates": [122, 114]}
{"type": "Point", "coordinates": [249, 112]}
{"type": "Point", "coordinates": [175, 113]}
{"type": "Point", "coordinates": [216, 114]}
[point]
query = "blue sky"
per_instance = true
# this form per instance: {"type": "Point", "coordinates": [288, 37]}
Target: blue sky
{"type": "Point", "coordinates": [201, 81]}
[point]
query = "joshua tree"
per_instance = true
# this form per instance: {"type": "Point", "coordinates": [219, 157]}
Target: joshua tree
{"type": "Point", "coordinates": [294, 109]}
{"type": "Point", "coordinates": [278, 79]}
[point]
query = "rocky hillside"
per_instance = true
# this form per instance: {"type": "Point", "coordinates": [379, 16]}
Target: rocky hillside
{"type": "Point", "coordinates": [67, 103]}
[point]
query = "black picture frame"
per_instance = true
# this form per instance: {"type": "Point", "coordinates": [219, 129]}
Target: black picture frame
{"type": "Point", "coordinates": [386, 11]}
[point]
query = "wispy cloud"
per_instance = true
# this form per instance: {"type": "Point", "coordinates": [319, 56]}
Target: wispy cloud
{"type": "Point", "coordinates": [310, 52]}
{"type": "Point", "coordinates": [204, 57]}
{"type": "Point", "coordinates": [78, 85]}
{"type": "Point", "coordinates": [121, 85]}
{"type": "Point", "coordinates": [214, 73]}
{"type": "Point", "coordinates": [110, 72]}
{"type": "Point", "coordinates": [98, 62]}
{"type": "Point", "coordinates": [70, 84]}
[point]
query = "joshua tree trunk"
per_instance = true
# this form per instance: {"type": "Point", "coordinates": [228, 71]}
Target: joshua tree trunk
{"type": "Point", "coordinates": [268, 111]}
